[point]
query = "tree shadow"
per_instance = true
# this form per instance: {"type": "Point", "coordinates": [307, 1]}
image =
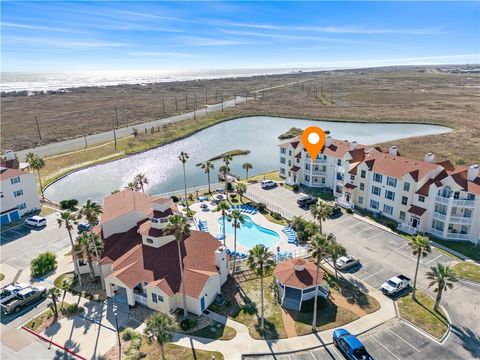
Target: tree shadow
{"type": "Point", "coordinates": [326, 312]}
{"type": "Point", "coordinates": [470, 339]}
{"type": "Point", "coordinates": [52, 329]}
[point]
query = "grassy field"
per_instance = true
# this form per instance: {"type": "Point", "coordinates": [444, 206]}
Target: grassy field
{"type": "Point", "coordinates": [467, 271]}
{"type": "Point", "coordinates": [421, 313]}
{"type": "Point", "coordinates": [407, 95]}
{"type": "Point", "coordinates": [152, 351]}
{"type": "Point", "coordinates": [463, 247]}
{"type": "Point", "coordinates": [216, 331]}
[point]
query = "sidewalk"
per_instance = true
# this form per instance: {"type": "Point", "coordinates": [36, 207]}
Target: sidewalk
{"type": "Point", "coordinates": [243, 343]}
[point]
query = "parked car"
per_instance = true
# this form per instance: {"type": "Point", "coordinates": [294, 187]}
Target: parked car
{"type": "Point", "coordinates": [36, 221]}
{"type": "Point", "coordinates": [306, 200]}
{"type": "Point", "coordinates": [336, 212]}
{"type": "Point", "coordinates": [23, 298]}
{"type": "Point", "coordinates": [268, 184]}
{"type": "Point", "coordinates": [8, 292]}
{"type": "Point", "coordinates": [346, 262]}
{"type": "Point", "coordinates": [350, 346]}
{"type": "Point", "coordinates": [82, 227]}
{"type": "Point", "coordinates": [395, 285]}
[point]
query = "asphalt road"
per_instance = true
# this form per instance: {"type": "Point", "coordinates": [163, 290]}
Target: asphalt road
{"type": "Point", "coordinates": [384, 254]}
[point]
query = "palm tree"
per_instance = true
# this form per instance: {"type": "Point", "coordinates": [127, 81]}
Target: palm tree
{"type": "Point", "coordinates": [207, 166]}
{"type": "Point", "coordinates": [443, 277]}
{"type": "Point", "coordinates": [36, 163]}
{"type": "Point", "coordinates": [54, 293]}
{"type": "Point", "coordinates": [226, 161]}
{"type": "Point", "coordinates": [317, 247]}
{"type": "Point", "coordinates": [183, 157]}
{"type": "Point", "coordinates": [237, 219]}
{"type": "Point", "coordinates": [69, 220]}
{"type": "Point", "coordinates": [241, 190]}
{"type": "Point", "coordinates": [89, 244]}
{"type": "Point", "coordinates": [180, 228]}
{"type": "Point", "coordinates": [420, 246]}
{"type": "Point", "coordinates": [335, 251]}
{"type": "Point", "coordinates": [159, 327]}
{"type": "Point", "coordinates": [260, 262]}
{"type": "Point", "coordinates": [92, 211]}
{"type": "Point", "coordinates": [320, 212]}
{"type": "Point", "coordinates": [141, 180]}
{"type": "Point", "coordinates": [223, 207]}
{"type": "Point", "coordinates": [225, 170]}
{"type": "Point", "coordinates": [247, 166]}
{"type": "Point", "coordinates": [132, 185]}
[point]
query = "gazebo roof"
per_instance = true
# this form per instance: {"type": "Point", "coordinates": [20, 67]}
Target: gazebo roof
{"type": "Point", "coordinates": [297, 273]}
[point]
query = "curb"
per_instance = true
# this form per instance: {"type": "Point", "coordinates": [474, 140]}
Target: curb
{"type": "Point", "coordinates": [41, 337]}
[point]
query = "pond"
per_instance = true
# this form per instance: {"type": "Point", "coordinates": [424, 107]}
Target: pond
{"type": "Point", "coordinates": [259, 134]}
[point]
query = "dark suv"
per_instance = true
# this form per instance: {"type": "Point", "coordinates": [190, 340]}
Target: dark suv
{"type": "Point", "coordinates": [306, 200]}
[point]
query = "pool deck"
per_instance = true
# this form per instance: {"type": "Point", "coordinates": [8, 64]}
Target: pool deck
{"type": "Point", "coordinates": [214, 228]}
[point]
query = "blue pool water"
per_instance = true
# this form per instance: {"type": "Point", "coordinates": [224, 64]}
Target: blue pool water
{"type": "Point", "coordinates": [250, 233]}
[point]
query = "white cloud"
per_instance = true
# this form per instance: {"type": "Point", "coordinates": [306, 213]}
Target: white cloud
{"type": "Point", "coordinates": [166, 54]}
{"type": "Point", "coordinates": [64, 43]}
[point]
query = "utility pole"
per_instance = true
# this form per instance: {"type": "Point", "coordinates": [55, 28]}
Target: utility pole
{"type": "Point", "coordinates": [176, 104]}
{"type": "Point", "coordinates": [163, 104]}
{"type": "Point", "coordinates": [195, 96]}
{"type": "Point", "coordinates": [116, 115]}
{"type": "Point", "coordinates": [235, 99]}
{"type": "Point", "coordinates": [222, 103]}
{"type": "Point", "coordinates": [206, 97]}
{"type": "Point", "coordinates": [114, 134]}
{"type": "Point", "coordinates": [85, 138]}
{"type": "Point", "coordinates": [118, 337]}
{"type": "Point", "coordinates": [186, 102]}
{"type": "Point", "coordinates": [246, 96]}
{"type": "Point", "coordinates": [38, 128]}
{"type": "Point", "coordinates": [195, 113]}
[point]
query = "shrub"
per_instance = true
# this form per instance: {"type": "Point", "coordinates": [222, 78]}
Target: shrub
{"type": "Point", "coordinates": [392, 224]}
{"type": "Point", "coordinates": [69, 204]}
{"type": "Point", "coordinates": [229, 186]}
{"type": "Point", "coordinates": [349, 211]}
{"type": "Point", "coordinates": [72, 309]}
{"type": "Point", "coordinates": [233, 196]}
{"type": "Point", "coordinates": [43, 264]}
{"type": "Point", "coordinates": [214, 307]}
{"type": "Point", "coordinates": [174, 198]}
{"type": "Point", "coordinates": [228, 303]}
{"type": "Point", "coordinates": [261, 207]}
{"type": "Point", "coordinates": [276, 215]}
{"type": "Point", "coordinates": [129, 334]}
{"type": "Point", "coordinates": [295, 187]}
{"type": "Point", "coordinates": [188, 324]}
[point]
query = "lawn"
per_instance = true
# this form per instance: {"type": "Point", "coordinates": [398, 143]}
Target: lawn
{"type": "Point", "coordinates": [2, 276]}
{"type": "Point", "coordinates": [217, 331]}
{"type": "Point", "coordinates": [421, 314]}
{"type": "Point", "coordinates": [36, 322]}
{"type": "Point", "coordinates": [467, 271]}
{"type": "Point", "coordinates": [463, 247]}
{"type": "Point", "coordinates": [152, 352]}
{"type": "Point", "coordinates": [272, 175]}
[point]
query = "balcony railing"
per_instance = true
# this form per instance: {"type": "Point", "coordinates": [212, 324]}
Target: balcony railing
{"type": "Point", "coordinates": [339, 169]}
{"type": "Point", "coordinates": [436, 232]}
{"type": "Point", "coordinates": [456, 236]}
{"type": "Point", "coordinates": [319, 172]}
{"type": "Point", "coordinates": [456, 202]}
{"type": "Point", "coordinates": [344, 203]}
{"type": "Point", "coordinates": [408, 229]}
{"type": "Point", "coordinates": [460, 220]}
{"type": "Point", "coordinates": [141, 298]}
{"type": "Point", "coordinates": [438, 216]}
{"type": "Point", "coordinates": [442, 200]}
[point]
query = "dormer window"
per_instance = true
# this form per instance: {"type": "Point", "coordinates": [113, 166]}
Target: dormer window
{"type": "Point", "coordinates": [149, 241]}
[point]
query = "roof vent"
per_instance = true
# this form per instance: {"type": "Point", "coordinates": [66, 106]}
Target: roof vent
{"type": "Point", "coordinates": [353, 145]}
{"type": "Point", "coordinates": [472, 172]}
{"type": "Point", "coordinates": [429, 157]}
{"type": "Point", "coordinates": [9, 155]}
{"type": "Point", "coordinates": [328, 141]}
{"type": "Point", "coordinates": [393, 150]}
{"type": "Point", "coordinates": [299, 265]}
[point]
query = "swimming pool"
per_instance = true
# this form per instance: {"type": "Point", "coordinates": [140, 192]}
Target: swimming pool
{"type": "Point", "coordinates": [250, 233]}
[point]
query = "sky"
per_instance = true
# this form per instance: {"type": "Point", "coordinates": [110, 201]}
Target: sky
{"type": "Point", "coordinates": [52, 36]}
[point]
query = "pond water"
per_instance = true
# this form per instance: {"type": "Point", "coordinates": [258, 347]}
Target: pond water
{"type": "Point", "coordinates": [259, 134]}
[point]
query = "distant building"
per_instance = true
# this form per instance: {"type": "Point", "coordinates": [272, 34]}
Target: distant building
{"type": "Point", "coordinates": [141, 261]}
{"type": "Point", "coordinates": [18, 191]}
{"type": "Point", "coordinates": [422, 196]}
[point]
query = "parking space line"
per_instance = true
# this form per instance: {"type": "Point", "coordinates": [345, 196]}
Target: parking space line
{"type": "Point", "coordinates": [372, 236]}
{"type": "Point", "coordinates": [369, 276]}
{"type": "Point", "coordinates": [401, 247]}
{"type": "Point", "coordinates": [405, 341]}
{"type": "Point", "coordinates": [395, 356]}
{"type": "Point", "coordinates": [313, 356]}
{"type": "Point", "coordinates": [428, 262]}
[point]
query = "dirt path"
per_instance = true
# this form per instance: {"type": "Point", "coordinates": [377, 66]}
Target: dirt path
{"type": "Point", "coordinates": [342, 302]}
{"type": "Point", "coordinates": [288, 324]}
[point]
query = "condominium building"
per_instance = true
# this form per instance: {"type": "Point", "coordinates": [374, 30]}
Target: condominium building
{"type": "Point", "coordinates": [140, 261]}
{"type": "Point", "coordinates": [431, 197]}
{"type": "Point", "coordinates": [18, 190]}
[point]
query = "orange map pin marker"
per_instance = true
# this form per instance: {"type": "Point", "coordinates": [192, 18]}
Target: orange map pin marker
{"type": "Point", "coordinates": [313, 138]}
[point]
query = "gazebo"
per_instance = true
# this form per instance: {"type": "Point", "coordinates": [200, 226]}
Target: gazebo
{"type": "Point", "coordinates": [295, 280]}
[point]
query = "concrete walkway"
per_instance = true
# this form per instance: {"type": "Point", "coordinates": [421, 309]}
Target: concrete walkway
{"type": "Point", "coordinates": [243, 343]}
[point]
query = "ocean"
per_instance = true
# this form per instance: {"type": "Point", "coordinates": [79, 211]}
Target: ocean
{"type": "Point", "coordinates": [45, 81]}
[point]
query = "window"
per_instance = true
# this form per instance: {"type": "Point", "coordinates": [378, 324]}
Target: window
{"type": "Point", "coordinates": [283, 151]}
{"type": "Point", "coordinates": [307, 166]}
{"type": "Point", "coordinates": [282, 171]}
{"type": "Point", "coordinates": [297, 161]}
{"type": "Point", "coordinates": [390, 195]}
{"type": "Point", "coordinates": [290, 152]}
{"type": "Point", "coordinates": [363, 173]}
{"type": "Point", "coordinates": [376, 190]}
{"type": "Point", "coordinates": [470, 196]}
{"type": "Point", "coordinates": [406, 186]}
{"type": "Point", "coordinates": [289, 162]}
{"type": "Point", "coordinates": [391, 181]}
{"type": "Point", "coordinates": [15, 180]}
{"type": "Point", "coordinates": [307, 178]}
{"type": "Point", "coordinates": [402, 215]}
{"type": "Point", "coordinates": [362, 186]}
{"type": "Point", "coordinates": [18, 193]}
{"type": "Point", "coordinates": [323, 180]}
{"type": "Point", "coordinates": [377, 177]}
{"type": "Point", "coordinates": [374, 204]}
{"type": "Point", "coordinates": [352, 177]}
{"type": "Point", "coordinates": [360, 199]}
{"type": "Point", "coordinates": [421, 198]}
{"type": "Point", "coordinates": [324, 168]}
{"type": "Point", "coordinates": [456, 195]}
{"type": "Point", "coordinates": [283, 160]}
{"type": "Point", "coordinates": [154, 298]}
{"type": "Point", "coordinates": [464, 229]}
{"type": "Point", "coordinates": [339, 162]}
{"type": "Point", "coordinates": [387, 209]}
{"type": "Point", "coordinates": [21, 206]}
{"type": "Point", "coordinates": [468, 213]}
{"type": "Point", "coordinates": [1, 195]}
{"type": "Point", "coordinates": [404, 200]}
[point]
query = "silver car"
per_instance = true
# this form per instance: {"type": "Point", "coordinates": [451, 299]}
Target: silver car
{"type": "Point", "coordinates": [346, 262]}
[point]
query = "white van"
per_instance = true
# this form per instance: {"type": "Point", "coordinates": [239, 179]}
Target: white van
{"type": "Point", "coordinates": [36, 221]}
{"type": "Point", "coordinates": [268, 184]}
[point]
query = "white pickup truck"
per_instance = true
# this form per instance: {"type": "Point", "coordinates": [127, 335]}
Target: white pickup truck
{"type": "Point", "coordinates": [395, 285]}
{"type": "Point", "coordinates": [8, 292]}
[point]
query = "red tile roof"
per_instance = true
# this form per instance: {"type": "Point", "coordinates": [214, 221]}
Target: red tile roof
{"type": "Point", "coordinates": [339, 148]}
{"type": "Point", "coordinates": [350, 186]}
{"type": "Point", "coordinates": [286, 274]}
{"type": "Point", "coordinates": [416, 210]}
{"type": "Point", "coordinates": [6, 173]}
{"type": "Point", "coordinates": [294, 168]}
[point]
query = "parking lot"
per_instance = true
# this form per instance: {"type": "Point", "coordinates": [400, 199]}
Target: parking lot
{"type": "Point", "coordinates": [394, 340]}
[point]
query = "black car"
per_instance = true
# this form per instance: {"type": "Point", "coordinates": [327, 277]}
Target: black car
{"type": "Point", "coordinates": [336, 212]}
{"type": "Point", "coordinates": [306, 200]}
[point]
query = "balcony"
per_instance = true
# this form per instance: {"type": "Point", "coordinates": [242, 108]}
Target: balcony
{"type": "Point", "coordinates": [407, 229]}
{"type": "Point", "coordinates": [141, 298]}
{"type": "Point", "coordinates": [460, 220]}
{"type": "Point", "coordinates": [319, 172]}
{"type": "Point", "coordinates": [438, 216]}
{"type": "Point", "coordinates": [456, 202]}
{"type": "Point", "coordinates": [457, 236]}
{"type": "Point", "coordinates": [436, 232]}
{"type": "Point", "coordinates": [339, 169]}
{"type": "Point", "coordinates": [341, 201]}
{"type": "Point", "coordinates": [442, 200]}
